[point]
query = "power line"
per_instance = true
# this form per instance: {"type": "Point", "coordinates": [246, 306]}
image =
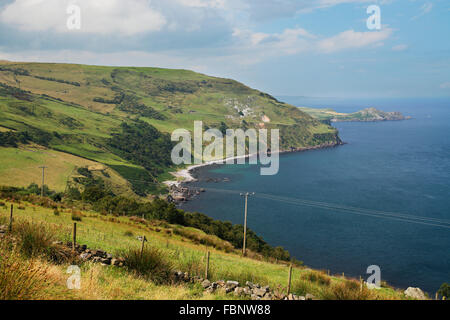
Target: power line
{"type": "Point", "coordinates": [443, 223]}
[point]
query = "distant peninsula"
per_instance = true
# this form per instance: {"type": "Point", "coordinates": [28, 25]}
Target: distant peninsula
{"type": "Point", "coordinates": [366, 115]}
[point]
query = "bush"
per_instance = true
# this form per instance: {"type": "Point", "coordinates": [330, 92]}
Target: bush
{"type": "Point", "coordinates": [444, 290]}
{"type": "Point", "coordinates": [152, 264]}
{"type": "Point", "coordinates": [77, 216]}
{"type": "Point", "coordinates": [56, 212]}
{"type": "Point", "coordinates": [348, 290]}
{"type": "Point", "coordinates": [128, 234]}
{"type": "Point", "coordinates": [316, 277]}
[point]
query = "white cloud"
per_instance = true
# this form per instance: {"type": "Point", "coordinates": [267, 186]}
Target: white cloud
{"type": "Point", "coordinates": [100, 16]}
{"type": "Point", "coordinates": [254, 47]}
{"type": "Point", "coordinates": [351, 39]}
{"type": "Point", "coordinates": [400, 47]}
{"type": "Point", "coordinates": [195, 32]}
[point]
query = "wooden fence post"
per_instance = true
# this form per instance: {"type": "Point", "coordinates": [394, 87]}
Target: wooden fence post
{"type": "Point", "coordinates": [74, 240]}
{"type": "Point", "coordinates": [207, 265]}
{"type": "Point", "coordinates": [143, 244]}
{"type": "Point", "coordinates": [11, 218]}
{"type": "Point", "coordinates": [289, 280]}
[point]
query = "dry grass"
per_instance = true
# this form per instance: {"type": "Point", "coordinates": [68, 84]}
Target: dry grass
{"type": "Point", "coordinates": [22, 278]}
{"type": "Point", "coordinates": [316, 277]}
{"type": "Point", "coordinates": [150, 263]}
{"type": "Point", "coordinates": [36, 240]}
{"type": "Point", "coordinates": [349, 290]}
{"type": "Point", "coordinates": [204, 239]}
{"type": "Point", "coordinates": [77, 216]}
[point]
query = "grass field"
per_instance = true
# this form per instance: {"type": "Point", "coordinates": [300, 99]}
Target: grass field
{"type": "Point", "coordinates": [20, 167]}
{"type": "Point", "coordinates": [115, 234]}
{"type": "Point", "coordinates": [82, 106]}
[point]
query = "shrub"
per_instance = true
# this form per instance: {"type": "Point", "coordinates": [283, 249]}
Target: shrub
{"type": "Point", "coordinates": [128, 234]}
{"type": "Point", "coordinates": [444, 290]}
{"type": "Point", "coordinates": [301, 287]}
{"type": "Point", "coordinates": [76, 216]}
{"type": "Point", "coordinates": [37, 240]}
{"type": "Point", "coordinates": [348, 290]}
{"type": "Point", "coordinates": [316, 277]}
{"type": "Point", "coordinates": [152, 264]}
{"type": "Point", "coordinates": [56, 212]}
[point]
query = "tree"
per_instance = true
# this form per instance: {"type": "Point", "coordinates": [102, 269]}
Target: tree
{"type": "Point", "coordinates": [93, 193]}
{"type": "Point", "coordinates": [444, 290]}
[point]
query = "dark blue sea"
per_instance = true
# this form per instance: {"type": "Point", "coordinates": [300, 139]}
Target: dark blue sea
{"type": "Point", "coordinates": [400, 166]}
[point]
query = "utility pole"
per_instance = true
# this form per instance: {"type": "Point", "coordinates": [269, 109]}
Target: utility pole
{"type": "Point", "coordinates": [246, 195]}
{"type": "Point", "coordinates": [43, 175]}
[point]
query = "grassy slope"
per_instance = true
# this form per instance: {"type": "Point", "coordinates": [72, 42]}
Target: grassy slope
{"type": "Point", "coordinates": [322, 114]}
{"type": "Point", "coordinates": [181, 96]}
{"type": "Point", "coordinates": [20, 167]}
{"type": "Point", "coordinates": [107, 233]}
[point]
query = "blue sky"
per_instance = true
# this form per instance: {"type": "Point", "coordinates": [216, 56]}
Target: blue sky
{"type": "Point", "coordinates": [319, 48]}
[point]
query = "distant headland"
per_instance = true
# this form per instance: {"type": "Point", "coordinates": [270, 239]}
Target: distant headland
{"type": "Point", "coordinates": [366, 115]}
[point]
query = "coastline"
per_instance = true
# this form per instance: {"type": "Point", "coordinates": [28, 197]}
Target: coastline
{"type": "Point", "coordinates": [186, 174]}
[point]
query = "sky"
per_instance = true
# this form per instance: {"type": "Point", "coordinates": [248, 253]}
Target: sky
{"type": "Point", "coordinates": [314, 48]}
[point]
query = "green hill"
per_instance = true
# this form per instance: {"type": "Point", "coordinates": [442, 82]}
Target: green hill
{"type": "Point", "coordinates": [121, 118]}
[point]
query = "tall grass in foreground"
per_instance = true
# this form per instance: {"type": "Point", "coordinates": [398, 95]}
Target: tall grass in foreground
{"type": "Point", "coordinates": [322, 286]}
{"type": "Point", "coordinates": [21, 279]}
{"type": "Point", "coordinates": [151, 263]}
{"type": "Point", "coordinates": [36, 240]}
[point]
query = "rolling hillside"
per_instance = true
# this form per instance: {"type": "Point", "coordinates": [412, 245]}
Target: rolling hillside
{"type": "Point", "coordinates": [119, 120]}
